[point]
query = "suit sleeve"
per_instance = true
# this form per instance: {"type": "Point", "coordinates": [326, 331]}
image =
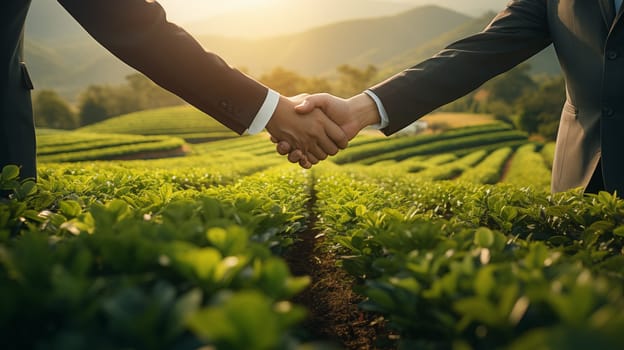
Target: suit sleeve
{"type": "Point", "coordinates": [515, 34]}
{"type": "Point", "coordinates": [138, 33]}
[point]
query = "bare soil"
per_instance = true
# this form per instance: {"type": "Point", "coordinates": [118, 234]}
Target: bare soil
{"type": "Point", "coordinates": [506, 167]}
{"type": "Point", "coordinates": [334, 315]}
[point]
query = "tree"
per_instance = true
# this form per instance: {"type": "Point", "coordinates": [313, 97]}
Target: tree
{"type": "Point", "coordinates": [541, 108]}
{"type": "Point", "coordinates": [147, 94]}
{"type": "Point", "coordinates": [353, 80]}
{"type": "Point", "coordinates": [289, 83]}
{"type": "Point", "coordinates": [501, 111]}
{"type": "Point", "coordinates": [51, 111]}
{"type": "Point", "coordinates": [100, 102]}
{"type": "Point", "coordinates": [95, 104]}
{"type": "Point", "coordinates": [317, 84]}
{"type": "Point", "coordinates": [286, 82]}
{"type": "Point", "coordinates": [510, 86]}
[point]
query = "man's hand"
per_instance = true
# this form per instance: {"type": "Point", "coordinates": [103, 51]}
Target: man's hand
{"type": "Point", "coordinates": [313, 134]}
{"type": "Point", "coordinates": [352, 115]}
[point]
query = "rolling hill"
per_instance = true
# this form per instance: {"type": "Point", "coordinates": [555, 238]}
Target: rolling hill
{"type": "Point", "coordinates": [292, 16]}
{"type": "Point", "coordinates": [472, 8]}
{"type": "Point", "coordinates": [543, 62]}
{"type": "Point", "coordinates": [47, 19]}
{"type": "Point", "coordinates": [68, 61]}
{"type": "Point", "coordinates": [356, 42]}
{"type": "Point", "coordinates": [288, 16]}
{"type": "Point", "coordinates": [184, 122]}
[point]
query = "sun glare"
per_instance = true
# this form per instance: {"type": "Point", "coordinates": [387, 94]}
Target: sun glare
{"type": "Point", "coordinates": [185, 10]}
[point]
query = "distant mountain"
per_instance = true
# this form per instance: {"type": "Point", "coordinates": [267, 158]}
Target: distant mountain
{"type": "Point", "coordinates": [62, 56]}
{"type": "Point", "coordinates": [284, 17]}
{"type": "Point", "coordinates": [471, 8]}
{"type": "Point", "coordinates": [49, 23]}
{"type": "Point", "coordinates": [68, 60]}
{"type": "Point", "coordinates": [543, 62]}
{"type": "Point", "coordinates": [69, 68]}
{"type": "Point", "coordinates": [355, 42]}
{"type": "Point", "coordinates": [47, 19]}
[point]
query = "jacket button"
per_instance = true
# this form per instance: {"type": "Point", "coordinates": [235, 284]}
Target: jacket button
{"type": "Point", "coordinates": [612, 54]}
{"type": "Point", "coordinates": [608, 112]}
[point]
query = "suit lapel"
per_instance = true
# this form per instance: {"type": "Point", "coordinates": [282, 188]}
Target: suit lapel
{"type": "Point", "coordinates": [608, 12]}
{"type": "Point", "coordinates": [611, 18]}
{"type": "Point", "coordinates": [618, 15]}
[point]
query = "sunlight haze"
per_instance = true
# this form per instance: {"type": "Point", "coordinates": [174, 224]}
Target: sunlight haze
{"type": "Point", "coordinates": [262, 18]}
{"type": "Point", "coordinates": [190, 10]}
{"type": "Point", "coordinates": [310, 37]}
{"type": "Point", "coordinates": [255, 18]}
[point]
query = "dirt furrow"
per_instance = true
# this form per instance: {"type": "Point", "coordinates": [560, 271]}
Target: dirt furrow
{"type": "Point", "coordinates": [334, 315]}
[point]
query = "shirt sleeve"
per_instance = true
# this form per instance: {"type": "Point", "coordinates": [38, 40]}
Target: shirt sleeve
{"type": "Point", "coordinates": [382, 111]}
{"type": "Point", "coordinates": [265, 113]}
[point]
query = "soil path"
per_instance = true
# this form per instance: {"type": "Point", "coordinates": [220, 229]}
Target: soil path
{"type": "Point", "coordinates": [334, 315]}
{"type": "Point", "coordinates": [506, 167]}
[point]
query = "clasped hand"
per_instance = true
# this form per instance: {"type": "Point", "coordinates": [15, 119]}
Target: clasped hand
{"type": "Point", "coordinates": [322, 124]}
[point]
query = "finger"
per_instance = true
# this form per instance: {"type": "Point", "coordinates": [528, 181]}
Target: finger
{"type": "Point", "coordinates": [337, 135]}
{"type": "Point", "coordinates": [274, 140]}
{"type": "Point", "coordinates": [304, 163]}
{"type": "Point", "coordinates": [328, 146]}
{"type": "Point", "coordinates": [283, 148]}
{"type": "Point", "coordinates": [317, 152]}
{"type": "Point", "coordinates": [331, 138]}
{"type": "Point", "coordinates": [295, 156]}
{"type": "Point", "coordinates": [312, 159]}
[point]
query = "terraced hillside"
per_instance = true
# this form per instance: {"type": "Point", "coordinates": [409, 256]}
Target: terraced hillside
{"type": "Point", "coordinates": [81, 146]}
{"type": "Point", "coordinates": [184, 122]}
{"type": "Point", "coordinates": [487, 153]}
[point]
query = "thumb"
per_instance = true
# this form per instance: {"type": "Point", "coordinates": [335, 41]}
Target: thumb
{"type": "Point", "coordinates": [310, 103]}
{"type": "Point", "coordinates": [304, 107]}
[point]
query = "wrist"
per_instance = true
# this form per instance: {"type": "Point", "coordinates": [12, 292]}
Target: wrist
{"type": "Point", "coordinates": [365, 110]}
{"type": "Point", "coordinates": [265, 113]}
{"type": "Point", "coordinates": [273, 123]}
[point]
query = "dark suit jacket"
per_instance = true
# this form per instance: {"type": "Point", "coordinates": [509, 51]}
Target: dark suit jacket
{"type": "Point", "coordinates": [589, 40]}
{"type": "Point", "coordinates": [138, 33]}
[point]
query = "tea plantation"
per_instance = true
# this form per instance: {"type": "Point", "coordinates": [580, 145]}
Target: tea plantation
{"type": "Point", "coordinates": [451, 241]}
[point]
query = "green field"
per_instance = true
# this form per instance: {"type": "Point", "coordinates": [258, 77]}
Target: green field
{"type": "Point", "coordinates": [82, 146]}
{"type": "Point", "coordinates": [184, 122]}
{"type": "Point", "coordinates": [428, 242]}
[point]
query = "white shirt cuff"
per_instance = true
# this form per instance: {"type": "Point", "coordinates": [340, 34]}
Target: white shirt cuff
{"type": "Point", "coordinates": [265, 113]}
{"type": "Point", "coordinates": [385, 121]}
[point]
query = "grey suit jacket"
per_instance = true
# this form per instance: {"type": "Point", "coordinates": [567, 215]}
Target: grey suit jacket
{"type": "Point", "coordinates": [589, 40]}
{"type": "Point", "coordinates": [138, 33]}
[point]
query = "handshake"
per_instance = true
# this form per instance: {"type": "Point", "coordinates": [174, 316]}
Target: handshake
{"type": "Point", "coordinates": [309, 128]}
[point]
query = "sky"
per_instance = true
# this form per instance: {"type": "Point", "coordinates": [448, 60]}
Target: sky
{"type": "Point", "coordinates": [187, 10]}
{"type": "Point", "coordinates": [253, 18]}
